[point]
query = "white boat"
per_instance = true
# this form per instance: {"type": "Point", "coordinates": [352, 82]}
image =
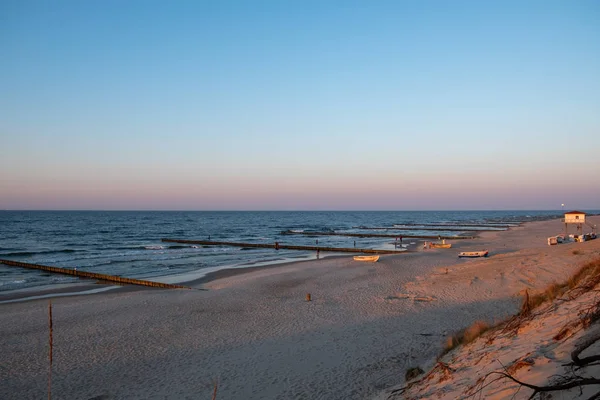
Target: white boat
{"type": "Point", "coordinates": [366, 258]}
{"type": "Point", "coordinates": [483, 253]}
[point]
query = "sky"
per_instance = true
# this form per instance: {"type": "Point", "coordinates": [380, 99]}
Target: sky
{"type": "Point", "coordinates": [299, 105]}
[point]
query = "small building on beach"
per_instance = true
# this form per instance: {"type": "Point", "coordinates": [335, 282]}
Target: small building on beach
{"type": "Point", "coordinates": [574, 217]}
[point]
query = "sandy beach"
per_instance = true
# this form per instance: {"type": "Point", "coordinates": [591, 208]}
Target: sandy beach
{"type": "Point", "coordinates": [255, 334]}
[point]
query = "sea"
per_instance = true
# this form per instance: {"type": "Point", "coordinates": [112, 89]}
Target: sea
{"type": "Point", "coordinates": [128, 243]}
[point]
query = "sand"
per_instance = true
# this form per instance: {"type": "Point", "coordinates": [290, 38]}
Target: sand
{"type": "Point", "coordinates": [256, 334]}
{"type": "Point", "coordinates": [535, 350]}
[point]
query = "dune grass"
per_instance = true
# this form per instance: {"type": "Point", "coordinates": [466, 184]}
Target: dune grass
{"type": "Point", "coordinates": [465, 336]}
{"type": "Point", "coordinates": [585, 279]}
{"type": "Point", "coordinates": [412, 373]}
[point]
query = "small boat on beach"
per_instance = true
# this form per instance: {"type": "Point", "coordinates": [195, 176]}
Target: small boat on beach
{"type": "Point", "coordinates": [441, 245]}
{"type": "Point", "coordinates": [366, 258]}
{"type": "Point", "coordinates": [483, 253]}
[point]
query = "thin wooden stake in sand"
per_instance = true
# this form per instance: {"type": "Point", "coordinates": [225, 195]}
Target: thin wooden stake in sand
{"type": "Point", "coordinates": [214, 397]}
{"type": "Point", "coordinates": [50, 351]}
{"type": "Point", "coordinates": [307, 296]}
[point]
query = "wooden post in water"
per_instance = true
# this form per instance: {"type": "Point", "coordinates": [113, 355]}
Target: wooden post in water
{"type": "Point", "coordinates": [307, 296]}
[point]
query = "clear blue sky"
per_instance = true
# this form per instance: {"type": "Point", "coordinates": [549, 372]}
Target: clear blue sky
{"type": "Point", "coordinates": [299, 105]}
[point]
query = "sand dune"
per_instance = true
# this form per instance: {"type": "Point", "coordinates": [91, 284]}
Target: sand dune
{"type": "Point", "coordinates": [535, 349]}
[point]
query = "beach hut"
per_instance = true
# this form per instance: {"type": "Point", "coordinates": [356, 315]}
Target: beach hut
{"type": "Point", "coordinates": [574, 217]}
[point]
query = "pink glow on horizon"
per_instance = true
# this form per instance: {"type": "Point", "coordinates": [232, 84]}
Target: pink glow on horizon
{"type": "Point", "coordinates": [299, 193]}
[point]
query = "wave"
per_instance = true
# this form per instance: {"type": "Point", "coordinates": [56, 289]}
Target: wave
{"type": "Point", "coordinates": [17, 282]}
{"type": "Point", "coordinates": [8, 248]}
{"type": "Point", "coordinates": [35, 253]}
{"type": "Point", "coordinates": [154, 247]}
{"type": "Point", "coordinates": [132, 247]}
{"type": "Point", "coordinates": [113, 262]}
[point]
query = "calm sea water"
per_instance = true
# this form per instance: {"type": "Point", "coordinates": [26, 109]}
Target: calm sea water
{"type": "Point", "coordinates": [129, 243]}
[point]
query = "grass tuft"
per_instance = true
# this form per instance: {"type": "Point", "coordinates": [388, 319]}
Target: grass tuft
{"type": "Point", "coordinates": [587, 275]}
{"type": "Point", "coordinates": [551, 292]}
{"type": "Point", "coordinates": [465, 336]}
{"type": "Point", "coordinates": [412, 373]}
{"type": "Point", "coordinates": [585, 278]}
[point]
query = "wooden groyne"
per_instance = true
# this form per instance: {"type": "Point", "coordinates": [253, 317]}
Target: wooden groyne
{"type": "Point", "coordinates": [92, 275]}
{"type": "Point", "coordinates": [376, 235]}
{"type": "Point", "coordinates": [445, 229]}
{"type": "Point", "coordinates": [490, 225]}
{"type": "Point", "coordinates": [277, 246]}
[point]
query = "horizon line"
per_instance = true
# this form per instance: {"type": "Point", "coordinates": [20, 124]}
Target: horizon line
{"type": "Point", "coordinates": [291, 210]}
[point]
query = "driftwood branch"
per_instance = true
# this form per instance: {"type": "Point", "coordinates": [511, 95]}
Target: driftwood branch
{"type": "Point", "coordinates": [551, 388]}
{"type": "Point", "coordinates": [581, 346]}
{"type": "Point", "coordinates": [595, 396]}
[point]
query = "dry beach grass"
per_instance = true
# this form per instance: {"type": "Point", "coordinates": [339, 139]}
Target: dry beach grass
{"type": "Point", "coordinates": [531, 354]}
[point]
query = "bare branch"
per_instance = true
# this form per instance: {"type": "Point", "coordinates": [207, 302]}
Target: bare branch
{"type": "Point", "coordinates": [581, 346]}
{"type": "Point", "coordinates": [552, 388]}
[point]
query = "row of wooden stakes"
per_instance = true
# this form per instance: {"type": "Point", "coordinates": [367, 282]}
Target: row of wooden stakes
{"type": "Point", "coordinates": [93, 275]}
